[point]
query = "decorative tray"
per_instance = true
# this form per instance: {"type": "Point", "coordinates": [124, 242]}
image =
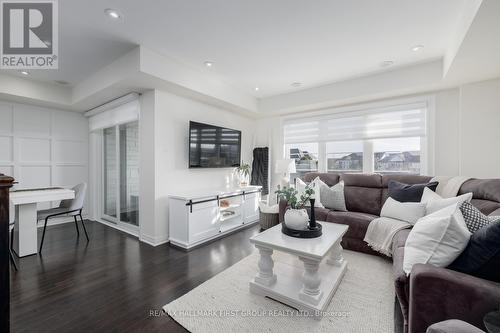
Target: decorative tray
{"type": "Point", "coordinates": [305, 233]}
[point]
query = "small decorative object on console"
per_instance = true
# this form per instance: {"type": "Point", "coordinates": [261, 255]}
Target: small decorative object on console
{"type": "Point", "coordinates": [224, 204]}
{"type": "Point", "coordinates": [244, 174]}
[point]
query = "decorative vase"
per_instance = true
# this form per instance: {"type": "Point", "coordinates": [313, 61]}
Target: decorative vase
{"type": "Point", "coordinates": [296, 219]}
{"type": "Point", "coordinates": [243, 181]}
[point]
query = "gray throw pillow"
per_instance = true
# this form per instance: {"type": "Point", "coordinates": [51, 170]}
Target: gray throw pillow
{"type": "Point", "coordinates": [333, 197]}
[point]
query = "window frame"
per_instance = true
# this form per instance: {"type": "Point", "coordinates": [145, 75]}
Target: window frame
{"type": "Point", "coordinates": [426, 142]}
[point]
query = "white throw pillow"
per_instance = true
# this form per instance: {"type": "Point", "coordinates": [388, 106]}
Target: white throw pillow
{"type": "Point", "coordinates": [404, 211]}
{"type": "Point", "coordinates": [435, 202]}
{"type": "Point", "coordinates": [436, 239]}
{"type": "Point", "coordinates": [300, 186]}
{"type": "Point", "coordinates": [333, 197]}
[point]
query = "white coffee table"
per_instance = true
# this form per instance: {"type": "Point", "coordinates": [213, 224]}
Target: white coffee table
{"type": "Point", "coordinates": [309, 283]}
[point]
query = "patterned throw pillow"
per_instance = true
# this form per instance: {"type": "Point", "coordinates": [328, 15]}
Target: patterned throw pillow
{"type": "Point", "coordinates": [473, 217]}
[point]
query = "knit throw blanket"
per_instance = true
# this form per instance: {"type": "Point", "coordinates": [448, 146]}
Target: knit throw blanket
{"type": "Point", "coordinates": [381, 231]}
{"type": "Point", "coordinates": [448, 187]}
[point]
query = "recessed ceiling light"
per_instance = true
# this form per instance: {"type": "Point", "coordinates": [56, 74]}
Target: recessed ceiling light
{"type": "Point", "coordinates": [387, 63]}
{"type": "Point", "coordinates": [257, 88]}
{"type": "Point", "coordinates": [209, 63]}
{"type": "Point", "coordinates": [417, 48]}
{"type": "Point", "coordinates": [25, 72]}
{"type": "Point", "coordinates": [296, 84]}
{"type": "Point", "coordinates": [113, 13]}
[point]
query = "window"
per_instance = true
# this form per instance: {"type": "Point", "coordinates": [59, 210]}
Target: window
{"type": "Point", "coordinates": [346, 156]}
{"type": "Point", "coordinates": [399, 155]}
{"type": "Point", "coordinates": [390, 139]}
{"type": "Point", "coordinates": [305, 156]}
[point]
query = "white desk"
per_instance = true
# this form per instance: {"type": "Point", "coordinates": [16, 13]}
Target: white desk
{"type": "Point", "coordinates": [25, 227]}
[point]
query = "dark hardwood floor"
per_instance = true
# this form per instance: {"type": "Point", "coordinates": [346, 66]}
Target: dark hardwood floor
{"type": "Point", "coordinates": [112, 284]}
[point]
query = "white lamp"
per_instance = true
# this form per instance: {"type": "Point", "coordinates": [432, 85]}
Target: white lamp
{"type": "Point", "coordinates": [285, 167]}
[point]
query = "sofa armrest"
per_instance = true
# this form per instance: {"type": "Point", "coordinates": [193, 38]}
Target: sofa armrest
{"type": "Point", "coordinates": [453, 326]}
{"type": "Point", "coordinates": [438, 294]}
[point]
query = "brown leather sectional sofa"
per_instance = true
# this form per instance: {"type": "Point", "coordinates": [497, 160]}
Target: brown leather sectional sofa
{"type": "Point", "coordinates": [430, 294]}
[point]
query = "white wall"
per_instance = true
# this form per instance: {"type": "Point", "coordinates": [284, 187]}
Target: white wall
{"type": "Point", "coordinates": [480, 129]}
{"type": "Point", "coordinates": [446, 133]}
{"type": "Point", "coordinates": [148, 221]}
{"type": "Point", "coordinates": [43, 147]}
{"type": "Point", "coordinates": [165, 154]}
{"type": "Point", "coordinates": [466, 130]}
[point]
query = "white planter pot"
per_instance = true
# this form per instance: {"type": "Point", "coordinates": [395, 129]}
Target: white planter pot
{"type": "Point", "coordinates": [296, 219]}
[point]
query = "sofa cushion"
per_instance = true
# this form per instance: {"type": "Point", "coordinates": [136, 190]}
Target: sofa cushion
{"type": "Point", "coordinates": [362, 180]}
{"type": "Point", "coordinates": [495, 213]}
{"type": "Point", "coordinates": [401, 280]}
{"type": "Point", "coordinates": [329, 179]}
{"type": "Point", "coordinates": [485, 189]}
{"type": "Point", "coordinates": [357, 222]}
{"type": "Point", "coordinates": [485, 206]}
{"type": "Point", "coordinates": [363, 199]}
{"type": "Point", "coordinates": [408, 179]}
{"type": "Point", "coordinates": [399, 239]}
{"type": "Point", "coordinates": [408, 192]}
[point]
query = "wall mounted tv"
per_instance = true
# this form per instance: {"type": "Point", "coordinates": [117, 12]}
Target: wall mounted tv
{"type": "Point", "coordinates": [213, 146]}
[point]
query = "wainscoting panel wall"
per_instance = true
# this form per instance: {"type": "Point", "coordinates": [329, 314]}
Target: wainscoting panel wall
{"type": "Point", "coordinates": [43, 147]}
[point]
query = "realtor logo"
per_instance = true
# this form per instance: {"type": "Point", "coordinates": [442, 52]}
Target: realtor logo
{"type": "Point", "coordinates": [29, 36]}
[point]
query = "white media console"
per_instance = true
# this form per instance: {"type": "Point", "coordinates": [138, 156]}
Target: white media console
{"type": "Point", "coordinates": [198, 217]}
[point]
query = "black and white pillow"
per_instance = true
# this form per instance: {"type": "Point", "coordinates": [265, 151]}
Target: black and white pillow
{"type": "Point", "coordinates": [473, 217]}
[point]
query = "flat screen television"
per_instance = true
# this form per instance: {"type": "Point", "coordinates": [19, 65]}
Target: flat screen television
{"type": "Point", "coordinates": [213, 146]}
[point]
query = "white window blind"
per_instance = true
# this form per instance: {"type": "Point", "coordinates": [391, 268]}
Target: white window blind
{"type": "Point", "coordinates": [399, 121]}
{"type": "Point", "coordinates": [118, 115]}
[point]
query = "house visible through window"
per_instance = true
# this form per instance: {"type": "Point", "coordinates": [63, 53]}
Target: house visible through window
{"type": "Point", "coordinates": [305, 156]}
{"type": "Point", "coordinates": [398, 155]}
{"type": "Point", "coordinates": [344, 156]}
{"type": "Point", "coordinates": [385, 140]}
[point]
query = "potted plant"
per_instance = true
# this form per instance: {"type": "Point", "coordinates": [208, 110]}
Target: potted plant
{"type": "Point", "coordinates": [244, 174]}
{"type": "Point", "coordinates": [296, 217]}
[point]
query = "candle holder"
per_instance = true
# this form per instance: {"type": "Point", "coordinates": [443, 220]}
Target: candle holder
{"type": "Point", "coordinates": [312, 222]}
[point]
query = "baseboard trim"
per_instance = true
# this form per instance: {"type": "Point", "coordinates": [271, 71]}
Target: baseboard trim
{"type": "Point", "coordinates": [114, 226]}
{"type": "Point", "coordinates": [152, 240]}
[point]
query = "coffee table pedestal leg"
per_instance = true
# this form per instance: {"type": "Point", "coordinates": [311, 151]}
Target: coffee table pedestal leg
{"type": "Point", "coordinates": [311, 281]}
{"type": "Point", "coordinates": [265, 276]}
{"type": "Point", "coordinates": [335, 257]}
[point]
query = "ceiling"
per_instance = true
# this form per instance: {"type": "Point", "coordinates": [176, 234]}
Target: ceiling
{"type": "Point", "coordinates": [259, 43]}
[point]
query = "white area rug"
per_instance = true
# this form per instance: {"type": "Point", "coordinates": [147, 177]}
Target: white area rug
{"type": "Point", "coordinates": [364, 302]}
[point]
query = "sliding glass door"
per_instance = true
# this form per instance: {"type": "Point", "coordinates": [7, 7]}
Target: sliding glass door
{"type": "Point", "coordinates": [121, 175]}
